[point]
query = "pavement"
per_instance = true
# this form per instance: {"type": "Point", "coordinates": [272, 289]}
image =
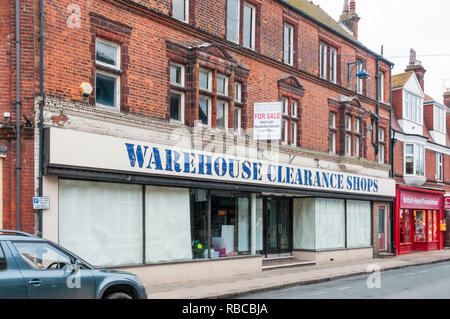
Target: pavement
{"type": "Point", "coordinates": [232, 287]}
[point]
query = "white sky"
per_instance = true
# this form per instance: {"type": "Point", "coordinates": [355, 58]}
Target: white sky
{"type": "Point", "coordinates": [400, 25]}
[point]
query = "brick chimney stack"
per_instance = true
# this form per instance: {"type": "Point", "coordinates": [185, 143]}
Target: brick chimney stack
{"type": "Point", "coordinates": [350, 18]}
{"type": "Point", "coordinates": [416, 66]}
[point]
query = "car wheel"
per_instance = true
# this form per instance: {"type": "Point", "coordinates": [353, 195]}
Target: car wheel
{"type": "Point", "coordinates": [118, 295]}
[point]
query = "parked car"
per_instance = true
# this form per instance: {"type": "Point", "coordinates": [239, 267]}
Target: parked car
{"type": "Point", "coordinates": [33, 267]}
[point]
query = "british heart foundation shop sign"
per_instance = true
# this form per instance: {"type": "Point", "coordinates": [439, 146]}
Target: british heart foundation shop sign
{"type": "Point", "coordinates": [447, 202]}
{"type": "Point", "coordinates": [413, 200]}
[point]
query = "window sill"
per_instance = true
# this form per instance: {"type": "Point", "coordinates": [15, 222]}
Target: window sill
{"type": "Point", "coordinates": [107, 68]}
{"type": "Point", "coordinates": [414, 180]}
{"type": "Point", "coordinates": [112, 109]}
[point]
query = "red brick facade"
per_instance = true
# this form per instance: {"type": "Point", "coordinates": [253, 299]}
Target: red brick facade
{"type": "Point", "coordinates": [150, 39]}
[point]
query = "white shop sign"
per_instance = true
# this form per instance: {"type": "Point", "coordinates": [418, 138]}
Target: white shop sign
{"type": "Point", "coordinates": [87, 150]}
{"type": "Point", "coordinates": [267, 121]}
{"type": "Point", "coordinates": [41, 202]}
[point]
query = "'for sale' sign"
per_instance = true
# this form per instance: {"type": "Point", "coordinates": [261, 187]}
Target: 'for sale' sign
{"type": "Point", "coordinates": [267, 121]}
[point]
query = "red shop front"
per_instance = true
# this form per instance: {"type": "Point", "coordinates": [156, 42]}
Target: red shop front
{"type": "Point", "coordinates": [418, 218]}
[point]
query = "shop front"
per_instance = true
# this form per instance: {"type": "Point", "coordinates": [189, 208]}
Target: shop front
{"type": "Point", "coordinates": [168, 213]}
{"type": "Point", "coordinates": [418, 220]}
{"type": "Point", "coordinates": [446, 220]}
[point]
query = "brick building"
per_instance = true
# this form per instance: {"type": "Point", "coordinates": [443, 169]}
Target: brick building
{"type": "Point", "coordinates": [158, 167]}
{"type": "Point", "coordinates": [422, 161]}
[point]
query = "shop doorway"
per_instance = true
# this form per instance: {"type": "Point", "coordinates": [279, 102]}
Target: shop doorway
{"type": "Point", "coordinates": [382, 228]}
{"type": "Point", "coordinates": [278, 226]}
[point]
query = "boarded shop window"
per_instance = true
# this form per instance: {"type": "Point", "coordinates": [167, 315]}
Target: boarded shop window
{"type": "Point", "coordinates": [358, 224]}
{"type": "Point", "coordinates": [101, 222]}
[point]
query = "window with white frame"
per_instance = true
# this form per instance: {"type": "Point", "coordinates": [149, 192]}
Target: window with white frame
{"type": "Point", "coordinates": [414, 159]}
{"type": "Point", "coordinates": [348, 123]}
{"type": "Point", "coordinates": [439, 119]}
{"type": "Point", "coordinates": [180, 10]}
{"type": "Point", "coordinates": [381, 86]}
{"type": "Point", "coordinates": [222, 85]}
{"type": "Point", "coordinates": [233, 17]}
{"type": "Point", "coordinates": [249, 26]}
{"type": "Point", "coordinates": [327, 62]}
{"type": "Point", "coordinates": [284, 105]}
{"type": "Point", "coordinates": [356, 147]}
{"type": "Point", "coordinates": [205, 80]}
{"type": "Point", "coordinates": [332, 134]}
{"type": "Point", "coordinates": [381, 145]}
{"type": "Point", "coordinates": [177, 98]}
{"type": "Point", "coordinates": [294, 108]}
{"type": "Point", "coordinates": [284, 131]}
{"type": "Point", "coordinates": [237, 119]}
{"type": "Point", "coordinates": [293, 133]}
{"type": "Point", "coordinates": [107, 82]}
{"type": "Point", "coordinates": [412, 107]}
{"type": "Point", "coordinates": [237, 92]}
{"type": "Point", "coordinates": [221, 115]}
{"type": "Point", "coordinates": [290, 120]}
{"type": "Point", "coordinates": [439, 167]}
{"type": "Point", "coordinates": [288, 50]}
{"type": "Point", "coordinates": [204, 110]}
{"type": "Point", "coordinates": [359, 81]}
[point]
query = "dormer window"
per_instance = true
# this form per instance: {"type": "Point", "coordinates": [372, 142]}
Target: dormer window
{"type": "Point", "coordinates": [439, 119]}
{"type": "Point", "coordinates": [412, 107]}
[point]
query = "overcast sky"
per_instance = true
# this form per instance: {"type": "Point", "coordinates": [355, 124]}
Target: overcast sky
{"type": "Point", "coordinates": [400, 25]}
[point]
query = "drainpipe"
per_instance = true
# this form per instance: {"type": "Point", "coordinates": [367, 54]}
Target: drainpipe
{"type": "Point", "coordinates": [391, 159]}
{"type": "Point", "coordinates": [18, 110]}
{"type": "Point", "coordinates": [41, 111]}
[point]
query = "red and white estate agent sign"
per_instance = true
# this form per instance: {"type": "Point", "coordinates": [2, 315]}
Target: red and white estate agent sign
{"type": "Point", "coordinates": [267, 121]}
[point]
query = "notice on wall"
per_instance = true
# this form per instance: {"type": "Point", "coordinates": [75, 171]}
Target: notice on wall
{"type": "Point", "coordinates": [267, 121]}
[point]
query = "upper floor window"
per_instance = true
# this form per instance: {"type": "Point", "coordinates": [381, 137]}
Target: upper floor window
{"type": "Point", "coordinates": [177, 97]}
{"type": "Point", "coordinates": [249, 26]}
{"type": "Point", "coordinates": [237, 92]}
{"type": "Point", "coordinates": [180, 10]}
{"type": "Point", "coordinates": [412, 107]}
{"type": "Point", "coordinates": [414, 159]}
{"type": "Point", "coordinates": [381, 145]}
{"type": "Point", "coordinates": [327, 62]}
{"type": "Point", "coordinates": [107, 79]}
{"type": "Point", "coordinates": [439, 119]}
{"type": "Point", "coordinates": [288, 49]}
{"type": "Point", "coordinates": [233, 20]}
{"type": "Point", "coordinates": [381, 86]}
{"type": "Point", "coordinates": [222, 84]}
{"type": "Point", "coordinates": [352, 136]}
{"type": "Point", "coordinates": [359, 81]}
{"type": "Point", "coordinates": [439, 167]}
{"type": "Point", "coordinates": [332, 134]}
{"type": "Point", "coordinates": [205, 80]}
{"type": "Point", "coordinates": [289, 122]}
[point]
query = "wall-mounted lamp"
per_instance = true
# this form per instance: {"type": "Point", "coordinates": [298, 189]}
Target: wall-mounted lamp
{"type": "Point", "coordinates": [361, 74]}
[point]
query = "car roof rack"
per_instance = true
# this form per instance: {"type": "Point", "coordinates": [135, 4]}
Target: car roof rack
{"type": "Point", "coordinates": [16, 232]}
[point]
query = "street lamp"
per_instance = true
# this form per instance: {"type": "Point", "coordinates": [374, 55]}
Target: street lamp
{"type": "Point", "coordinates": [361, 74]}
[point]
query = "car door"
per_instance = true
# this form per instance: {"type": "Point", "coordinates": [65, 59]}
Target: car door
{"type": "Point", "coordinates": [12, 284]}
{"type": "Point", "coordinates": [50, 273]}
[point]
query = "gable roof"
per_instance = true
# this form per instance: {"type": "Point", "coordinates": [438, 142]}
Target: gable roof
{"type": "Point", "coordinates": [316, 13]}
{"type": "Point", "coordinates": [399, 80]}
{"type": "Point", "coordinates": [320, 15]}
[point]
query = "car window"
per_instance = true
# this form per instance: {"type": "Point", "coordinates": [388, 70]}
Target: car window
{"type": "Point", "coordinates": [2, 259]}
{"type": "Point", "coordinates": [40, 255]}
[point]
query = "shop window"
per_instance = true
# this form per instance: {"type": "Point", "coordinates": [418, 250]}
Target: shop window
{"type": "Point", "coordinates": [107, 79]}
{"type": "Point", "coordinates": [199, 223]}
{"type": "Point", "coordinates": [230, 225]}
{"type": "Point", "coordinates": [435, 225]}
{"type": "Point", "coordinates": [327, 62]}
{"type": "Point", "coordinates": [101, 221]}
{"type": "Point", "coordinates": [419, 226]}
{"type": "Point", "coordinates": [405, 226]}
{"type": "Point", "coordinates": [358, 224]}
{"type": "Point", "coordinates": [330, 223]}
{"type": "Point", "coordinates": [180, 10]}
{"type": "Point", "coordinates": [175, 220]}
{"type": "Point", "coordinates": [259, 225]}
